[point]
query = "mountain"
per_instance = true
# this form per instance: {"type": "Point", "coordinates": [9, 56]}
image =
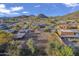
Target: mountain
{"type": "Point", "coordinates": [42, 16]}
{"type": "Point", "coordinates": [4, 18]}
{"type": "Point", "coordinates": [74, 15]}
{"type": "Point", "coordinates": [25, 16]}
{"type": "Point", "coordinates": [70, 16]}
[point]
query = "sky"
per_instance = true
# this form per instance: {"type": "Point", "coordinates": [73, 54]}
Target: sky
{"type": "Point", "coordinates": [49, 9]}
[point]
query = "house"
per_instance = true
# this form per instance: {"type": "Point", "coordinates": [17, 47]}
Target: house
{"type": "Point", "coordinates": [42, 25]}
{"type": "Point", "coordinates": [12, 24]}
{"type": "Point", "coordinates": [63, 26]}
{"type": "Point", "coordinates": [1, 21]}
{"type": "Point", "coordinates": [72, 33]}
{"type": "Point", "coordinates": [19, 35]}
{"type": "Point", "coordinates": [68, 26]}
{"type": "Point", "coordinates": [24, 34]}
{"type": "Point", "coordinates": [10, 31]}
{"type": "Point", "coordinates": [24, 30]}
{"type": "Point", "coordinates": [69, 30]}
{"type": "Point", "coordinates": [3, 26]}
{"type": "Point", "coordinates": [69, 33]}
{"type": "Point", "coordinates": [41, 40]}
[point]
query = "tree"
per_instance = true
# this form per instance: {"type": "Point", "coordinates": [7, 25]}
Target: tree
{"type": "Point", "coordinates": [35, 27]}
{"type": "Point", "coordinates": [29, 49]}
{"type": "Point", "coordinates": [47, 29]}
{"type": "Point", "coordinates": [76, 51]}
{"type": "Point", "coordinates": [31, 46]}
{"type": "Point", "coordinates": [55, 49]}
{"type": "Point", "coordinates": [5, 37]}
{"type": "Point", "coordinates": [26, 48]}
{"type": "Point", "coordinates": [52, 48]}
{"type": "Point", "coordinates": [25, 52]}
{"type": "Point", "coordinates": [16, 48]}
{"type": "Point", "coordinates": [13, 49]}
{"type": "Point", "coordinates": [3, 48]}
{"type": "Point", "coordinates": [66, 51]}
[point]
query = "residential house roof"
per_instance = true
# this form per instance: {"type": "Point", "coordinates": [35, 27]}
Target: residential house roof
{"type": "Point", "coordinates": [70, 30]}
{"type": "Point", "coordinates": [19, 35]}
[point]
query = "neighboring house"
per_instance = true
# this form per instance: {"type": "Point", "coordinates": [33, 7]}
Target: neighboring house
{"type": "Point", "coordinates": [68, 26]}
{"type": "Point", "coordinates": [19, 35]}
{"type": "Point", "coordinates": [68, 30]}
{"type": "Point", "coordinates": [69, 33]}
{"type": "Point", "coordinates": [72, 33]}
{"type": "Point", "coordinates": [3, 26]}
{"type": "Point", "coordinates": [10, 31]}
{"type": "Point", "coordinates": [42, 25]}
{"type": "Point", "coordinates": [24, 34]}
{"type": "Point", "coordinates": [24, 30]}
{"type": "Point", "coordinates": [1, 21]}
{"type": "Point", "coordinates": [12, 24]}
{"type": "Point", "coordinates": [63, 26]}
{"type": "Point", "coordinates": [42, 40]}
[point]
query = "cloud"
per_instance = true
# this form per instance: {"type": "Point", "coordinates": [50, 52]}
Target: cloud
{"type": "Point", "coordinates": [17, 8]}
{"type": "Point", "coordinates": [9, 11]}
{"type": "Point", "coordinates": [25, 12]}
{"type": "Point", "coordinates": [2, 6]}
{"type": "Point", "coordinates": [37, 6]}
{"type": "Point", "coordinates": [71, 4]}
{"type": "Point", "coordinates": [3, 9]}
{"type": "Point", "coordinates": [16, 13]}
